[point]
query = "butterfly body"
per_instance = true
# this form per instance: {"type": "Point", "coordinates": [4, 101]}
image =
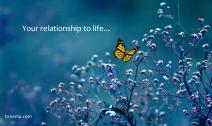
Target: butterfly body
{"type": "Point", "coordinates": [121, 53]}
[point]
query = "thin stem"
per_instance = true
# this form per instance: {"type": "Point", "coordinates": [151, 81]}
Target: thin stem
{"type": "Point", "coordinates": [130, 116]}
{"type": "Point", "coordinates": [178, 11]}
{"type": "Point", "coordinates": [184, 76]}
{"type": "Point", "coordinates": [178, 21]}
{"type": "Point", "coordinates": [132, 89]}
{"type": "Point", "coordinates": [136, 71]}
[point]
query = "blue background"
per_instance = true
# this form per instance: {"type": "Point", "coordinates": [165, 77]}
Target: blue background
{"type": "Point", "coordinates": [31, 63]}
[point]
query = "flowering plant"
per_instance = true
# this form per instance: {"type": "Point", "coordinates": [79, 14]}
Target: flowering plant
{"type": "Point", "coordinates": [98, 95]}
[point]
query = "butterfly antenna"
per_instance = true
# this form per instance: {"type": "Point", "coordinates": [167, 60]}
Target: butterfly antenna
{"type": "Point", "coordinates": [119, 39]}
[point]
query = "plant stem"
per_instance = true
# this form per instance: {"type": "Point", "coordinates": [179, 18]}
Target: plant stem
{"type": "Point", "coordinates": [178, 11]}
{"type": "Point", "coordinates": [130, 116]}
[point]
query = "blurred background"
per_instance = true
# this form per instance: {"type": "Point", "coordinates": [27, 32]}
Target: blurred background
{"type": "Point", "coordinates": [31, 63]}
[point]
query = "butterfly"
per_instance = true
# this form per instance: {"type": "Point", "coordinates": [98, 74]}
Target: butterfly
{"type": "Point", "coordinates": [121, 53]}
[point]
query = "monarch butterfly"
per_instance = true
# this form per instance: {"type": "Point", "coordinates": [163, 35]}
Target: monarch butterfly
{"type": "Point", "coordinates": [121, 53]}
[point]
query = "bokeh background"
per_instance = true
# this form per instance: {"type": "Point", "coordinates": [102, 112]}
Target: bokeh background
{"type": "Point", "coordinates": [31, 63]}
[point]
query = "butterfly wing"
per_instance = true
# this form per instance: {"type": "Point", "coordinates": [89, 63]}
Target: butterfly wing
{"type": "Point", "coordinates": [128, 55]}
{"type": "Point", "coordinates": [120, 50]}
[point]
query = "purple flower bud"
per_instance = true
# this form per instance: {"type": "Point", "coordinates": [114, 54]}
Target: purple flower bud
{"type": "Point", "coordinates": [185, 111]}
{"type": "Point", "coordinates": [61, 85]}
{"type": "Point", "coordinates": [194, 36]}
{"type": "Point", "coordinates": [209, 121]}
{"type": "Point", "coordinates": [159, 62]}
{"type": "Point", "coordinates": [91, 80]}
{"type": "Point", "coordinates": [103, 82]}
{"type": "Point", "coordinates": [156, 80]}
{"type": "Point", "coordinates": [162, 4]}
{"type": "Point", "coordinates": [181, 34]}
{"type": "Point", "coordinates": [135, 42]}
{"type": "Point", "coordinates": [205, 46]}
{"type": "Point", "coordinates": [168, 66]}
{"type": "Point", "coordinates": [143, 71]}
{"type": "Point", "coordinates": [157, 30]}
{"type": "Point", "coordinates": [161, 114]}
{"type": "Point", "coordinates": [74, 67]}
{"type": "Point", "coordinates": [94, 57]}
{"type": "Point", "coordinates": [79, 86]}
{"type": "Point", "coordinates": [207, 27]}
{"type": "Point", "coordinates": [201, 19]}
{"type": "Point", "coordinates": [175, 79]}
{"type": "Point", "coordinates": [195, 96]}
{"type": "Point", "coordinates": [203, 31]}
{"type": "Point", "coordinates": [150, 72]}
{"type": "Point", "coordinates": [53, 90]}
{"type": "Point", "coordinates": [195, 110]}
{"type": "Point", "coordinates": [161, 85]}
{"type": "Point", "coordinates": [110, 113]}
{"type": "Point", "coordinates": [165, 78]}
{"type": "Point", "coordinates": [129, 72]}
{"type": "Point", "coordinates": [168, 27]}
{"type": "Point", "coordinates": [165, 33]}
{"type": "Point", "coordinates": [145, 82]}
{"type": "Point", "coordinates": [71, 100]}
{"type": "Point", "coordinates": [151, 31]}
{"type": "Point", "coordinates": [155, 98]}
{"type": "Point", "coordinates": [131, 110]}
{"type": "Point", "coordinates": [87, 101]}
{"type": "Point", "coordinates": [82, 80]}
{"type": "Point", "coordinates": [160, 12]}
